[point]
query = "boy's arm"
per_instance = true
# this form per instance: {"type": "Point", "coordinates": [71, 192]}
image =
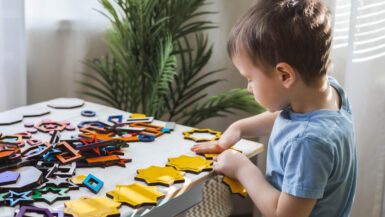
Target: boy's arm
{"type": "Point", "coordinates": [270, 201]}
{"type": "Point", "coordinates": [258, 125]}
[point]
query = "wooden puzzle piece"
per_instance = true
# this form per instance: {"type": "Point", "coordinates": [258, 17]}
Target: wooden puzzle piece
{"type": "Point", "coordinates": [154, 175]}
{"type": "Point", "coordinates": [49, 126]}
{"type": "Point", "coordinates": [65, 103]}
{"type": "Point", "coordinates": [122, 162]}
{"type": "Point", "coordinates": [94, 123]}
{"type": "Point", "coordinates": [95, 161]}
{"type": "Point", "coordinates": [116, 119]}
{"type": "Point", "coordinates": [36, 150]}
{"type": "Point", "coordinates": [59, 194]}
{"type": "Point", "coordinates": [11, 138]}
{"type": "Point", "coordinates": [89, 183]}
{"type": "Point", "coordinates": [92, 207]}
{"type": "Point", "coordinates": [88, 113]}
{"type": "Point", "coordinates": [2, 198]}
{"type": "Point", "coordinates": [142, 120]}
{"type": "Point", "coordinates": [59, 182]}
{"type": "Point", "coordinates": [193, 164]}
{"type": "Point", "coordinates": [11, 117]}
{"type": "Point", "coordinates": [188, 135]}
{"type": "Point", "coordinates": [9, 177]}
{"type": "Point", "coordinates": [33, 111]}
{"type": "Point", "coordinates": [69, 150]}
{"type": "Point", "coordinates": [137, 115]}
{"type": "Point", "coordinates": [78, 180]}
{"type": "Point", "coordinates": [135, 195]}
{"type": "Point", "coordinates": [29, 178]}
{"type": "Point", "coordinates": [235, 186]}
{"type": "Point", "coordinates": [15, 198]}
{"type": "Point", "coordinates": [27, 209]}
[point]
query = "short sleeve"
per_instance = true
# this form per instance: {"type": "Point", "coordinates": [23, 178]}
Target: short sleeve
{"type": "Point", "coordinates": [307, 165]}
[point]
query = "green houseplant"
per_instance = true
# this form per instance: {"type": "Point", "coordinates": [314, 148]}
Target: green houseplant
{"type": "Point", "coordinates": [157, 49]}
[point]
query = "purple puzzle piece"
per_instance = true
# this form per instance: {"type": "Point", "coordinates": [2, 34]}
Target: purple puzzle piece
{"type": "Point", "coordinates": [43, 211]}
{"type": "Point", "coordinates": [8, 177]}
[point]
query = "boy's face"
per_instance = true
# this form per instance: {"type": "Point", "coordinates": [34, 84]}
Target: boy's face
{"type": "Point", "coordinates": [265, 86]}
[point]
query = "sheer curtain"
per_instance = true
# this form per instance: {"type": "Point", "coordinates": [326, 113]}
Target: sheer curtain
{"type": "Point", "coordinates": [12, 55]}
{"type": "Point", "coordinates": [359, 58]}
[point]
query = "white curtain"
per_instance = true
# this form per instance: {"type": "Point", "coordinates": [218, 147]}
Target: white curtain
{"type": "Point", "coordinates": [60, 34]}
{"type": "Point", "coordinates": [12, 55]}
{"type": "Point", "coordinates": [359, 58]}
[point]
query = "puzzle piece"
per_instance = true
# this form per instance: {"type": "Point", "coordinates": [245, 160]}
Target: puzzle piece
{"type": "Point", "coordinates": [136, 195]}
{"type": "Point", "coordinates": [89, 180]}
{"type": "Point", "coordinates": [78, 180]}
{"type": "Point", "coordinates": [15, 198]}
{"type": "Point", "coordinates": [24, 209]}
{"type": "Point", "coordinates": [29, 177]}
{"type": "Point", "coordinates": [92, 207]}
{"type": "Point", "coordinates": [8, 177]}
{"type": "Point", "coordinates": [65, 103]}
{"type": "Point", "coordinates": [194, 164]}
{"type": "Point", "coordinates": [235, 186]}
{"type": "Point", "coordinates": [160, 175]}
{"type": "Point", "coordinates": [188, 135]}
{"type": "Point", "coordinates": [60, 194]}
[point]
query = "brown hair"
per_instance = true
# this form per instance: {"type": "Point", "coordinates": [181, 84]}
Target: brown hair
{"type": "Point", "coordinates": [297, 32]}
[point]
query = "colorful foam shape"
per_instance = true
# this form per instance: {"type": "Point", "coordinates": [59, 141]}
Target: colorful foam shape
{"type": "Point", "coordinates": [194, 164]}
{"type": "Point", "coordinates": [8, 177]}
{"type": "Point", "coordinates": [154, 175]}
{"type": "Point", "coordinates": [235, 186]}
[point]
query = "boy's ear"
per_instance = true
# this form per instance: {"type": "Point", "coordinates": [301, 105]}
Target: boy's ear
{"type": "Point", "coordinates": [286, 74]}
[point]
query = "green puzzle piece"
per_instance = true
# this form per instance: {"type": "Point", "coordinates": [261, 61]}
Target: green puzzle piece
{"type": "Point", "coordinates": [60, 194]}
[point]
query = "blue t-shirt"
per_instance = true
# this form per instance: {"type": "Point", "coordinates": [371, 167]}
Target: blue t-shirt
{"type": "Point", "coordinates": [313, 155]}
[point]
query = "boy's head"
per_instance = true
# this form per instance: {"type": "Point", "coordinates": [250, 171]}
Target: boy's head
{"type": "Point", "coordinates": [295, 32]}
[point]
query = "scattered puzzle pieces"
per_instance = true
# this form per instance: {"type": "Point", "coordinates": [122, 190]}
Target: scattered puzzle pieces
{"type": "Point", "coordinates": [92, 207]}
{"type": "Point", "coordinates": [235, 186]}
{"type": "Point", "coordinates": [188, 135]}
{"type": "Point", "coordinates": [194, 164]}
{"type": "Point", "coordinates": [136, 195]}
{"type": "Point", "coordinates": [160, 175]}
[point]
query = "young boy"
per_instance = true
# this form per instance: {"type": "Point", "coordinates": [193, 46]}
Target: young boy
{"type": "Point", "coordinates": [282, 48]}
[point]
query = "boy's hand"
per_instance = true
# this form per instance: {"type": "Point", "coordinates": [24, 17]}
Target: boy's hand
{"type": "Point", "coordinates": [229, 163]}
{"type": "Point", "coordinates": [231, 136]}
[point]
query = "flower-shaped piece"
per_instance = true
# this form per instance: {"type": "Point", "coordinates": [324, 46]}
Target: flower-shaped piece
{"type": "Point", "coordinates": [135, 195]}
{"type": "Point", "coordinates": [188, 135]}
{"type": "Point", "coordinates": [160, 175]}
{"type": "Point", "coordinates": [92, 207]}
{"type": "Point", "coordinates": [192, 164]}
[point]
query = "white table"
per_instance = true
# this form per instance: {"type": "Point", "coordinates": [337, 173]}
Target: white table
{"type": "Point", "coordinates": [179, 197]}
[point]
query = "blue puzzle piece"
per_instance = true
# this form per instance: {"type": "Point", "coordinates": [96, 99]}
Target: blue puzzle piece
{"type": "Point", "coordinates": [88, 182]}
{"type": "Point", "coordinates": [113, 118]}
{"type": "Point", "coordinates": [15, 198]}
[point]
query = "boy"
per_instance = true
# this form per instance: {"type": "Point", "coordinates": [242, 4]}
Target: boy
{"type": "Point", "coordinates": [282, 48]}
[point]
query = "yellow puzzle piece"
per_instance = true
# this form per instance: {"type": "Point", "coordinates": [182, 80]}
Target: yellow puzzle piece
{"type": "Point", "coordinates": [188, 135]}
{"type": "Point", "coordinates": [192, 164]}
{"type": "Point", "coordinates": [92, 207]}
{"type": "Point", "coordinates": [135, 195]}
{"type": "Point", "coordinates": [78, 180]}
{"type": "Point", "coordinates": [137, 115]}
{"type": "Point", "coordinates": [160, 175]}
{"type": "Point", "coordinates": [235, 186]}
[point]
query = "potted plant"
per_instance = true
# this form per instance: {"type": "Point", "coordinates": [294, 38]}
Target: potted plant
{"type": "Point", "coordinates": [157, 49]}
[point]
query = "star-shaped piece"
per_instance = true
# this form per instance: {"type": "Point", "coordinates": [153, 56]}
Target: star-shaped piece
{"type": "Point", "coordinates": [135, 195]}
{"type": "Point", "coordinates": [59, 182]}
{"type": "Point", "coordinates": [92, 207]}
{"type": "Point", "coordinates": [2, 195]}
{"type": "Point", "coordinates": [192, 164]}
{"type": "Point", "coordinates": [16, 198]}
{"type": "Point", "coordinates": [235, 186]}
{"type": "Point", "coordinates": [160, 175]}
{"type": "Point", "coordinates": [60, 194]}
{"type": "Point", "coordinates": [188, 135]}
